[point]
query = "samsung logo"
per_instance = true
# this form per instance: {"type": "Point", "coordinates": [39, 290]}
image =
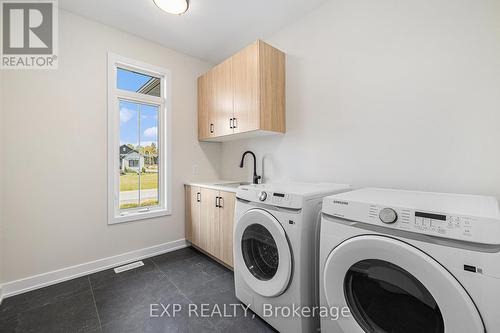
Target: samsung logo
{"type": "Point", "coordinates": [340, 202]}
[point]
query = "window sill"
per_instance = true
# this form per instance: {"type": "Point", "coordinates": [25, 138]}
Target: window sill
{"type": "Point", "coordinates": [137, 216]}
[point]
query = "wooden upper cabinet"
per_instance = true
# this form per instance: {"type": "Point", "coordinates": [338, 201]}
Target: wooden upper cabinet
{"type": "Point", "coordinates": [223, 99]}
{"type": "Point", "coordinates": [244, 94]}
{"type": "Point", "coordinates": [272, 88]}
{"type": "Point", "coordinates": [246, 89]}
{"type": "Point", "coordinates": [205, 92]}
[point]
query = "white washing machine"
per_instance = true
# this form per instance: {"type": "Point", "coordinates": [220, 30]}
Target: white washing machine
{"type": "Point", "coordinates": [276, 246]}
{"type": "Point", "coordinates": [410, 262]}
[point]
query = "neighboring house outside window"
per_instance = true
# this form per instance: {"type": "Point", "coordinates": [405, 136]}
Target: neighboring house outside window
{"type": "Point", "coordinates": [138, 144]}
{"type": "Point", "coordinates": [131, 160]}
{"type": "Point", "coordinates": [134, 162]}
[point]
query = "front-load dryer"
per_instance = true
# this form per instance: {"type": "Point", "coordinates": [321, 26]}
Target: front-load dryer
{"type": "Point", "coordinates": [276, 251]}
{"type": "Point", "coordinates": [410, 262]}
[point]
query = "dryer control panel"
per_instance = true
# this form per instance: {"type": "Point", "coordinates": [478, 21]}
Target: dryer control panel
{"type": "Point", "coordinates": [416, 212]}
{"type": "Point", "coordinates": [450, 226]}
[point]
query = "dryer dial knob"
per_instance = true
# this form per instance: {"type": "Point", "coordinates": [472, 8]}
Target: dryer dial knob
{"type": "Point", "coordinates": [262, 196]}
{"type": "Point", "coordinates": [388, 215]}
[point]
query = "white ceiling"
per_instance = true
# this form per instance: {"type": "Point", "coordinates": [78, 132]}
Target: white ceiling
{"type": "Point", "coordinates": [211, 29]}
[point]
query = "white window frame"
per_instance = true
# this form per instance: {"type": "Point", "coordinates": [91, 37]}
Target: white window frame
{"type": "Point", "coordinates": [115, 215]}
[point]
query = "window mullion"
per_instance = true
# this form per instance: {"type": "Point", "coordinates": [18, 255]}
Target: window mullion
{"type": "Point", "coordinates": [139, 145]}
{"type": "Point", "coordinates": [137, 97]}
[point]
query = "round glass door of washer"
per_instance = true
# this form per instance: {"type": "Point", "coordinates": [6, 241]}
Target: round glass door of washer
{"type": "Point", "coordinates": [262, 253]}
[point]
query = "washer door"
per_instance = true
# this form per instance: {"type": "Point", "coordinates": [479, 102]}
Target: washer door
{"type": "Point", "coordinates": [390, 286]}
{"type": "Point", "coordinates": [262, 252]}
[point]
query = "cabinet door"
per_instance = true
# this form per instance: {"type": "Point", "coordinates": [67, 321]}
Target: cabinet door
{"type": "Point", "coordinates": [193, 197]}
{"type": "Point", "coordinates": [208, 105]}
{"type": "Point", "coordinates": [223, 99]}
{"type": "Point", "coordinates": [226, 218]}
{"type": "Point", "coordinates": [246, 82]}
{"type": "Point", "coordinates": [272, 88]}
{"type": "Point", "coordinates": [209, 230]}
{"type": "Point", "coordinates": [205, 105]}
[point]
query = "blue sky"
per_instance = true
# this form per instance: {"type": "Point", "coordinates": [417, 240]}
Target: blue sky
{"type": "Point", "coordinates": [129, 123]}
{"type": "Point", "coordinates": [130, 81]}
{"type": "Point", "coordinates": [130, 133]}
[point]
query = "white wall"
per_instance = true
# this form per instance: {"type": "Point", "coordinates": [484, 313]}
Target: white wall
{"type": "Point", "coordinates": [54, 159]}
{"type": "Point", "coordinates": [390, 94]}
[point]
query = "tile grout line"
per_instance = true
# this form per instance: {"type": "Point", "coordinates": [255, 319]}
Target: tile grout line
{"type": "Point", "coordinates": [172, 282]}
{"type": "Point", "coordinates": [180, 291]}
{"type": "Point", "coordinates": [95, 304]}
{"type": "Point", "coordinates": [176, 287]}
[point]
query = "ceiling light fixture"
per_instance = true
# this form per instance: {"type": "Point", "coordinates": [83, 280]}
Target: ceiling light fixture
{"type": "Point", "coordinates": [177, 7]}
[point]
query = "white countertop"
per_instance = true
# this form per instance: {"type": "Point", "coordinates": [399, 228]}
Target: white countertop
{"type": "Point", "coordinates": [221, 185]}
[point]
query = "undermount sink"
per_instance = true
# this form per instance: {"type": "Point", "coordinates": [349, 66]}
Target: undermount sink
{"type": "Point", "coordinates": [236, 184]}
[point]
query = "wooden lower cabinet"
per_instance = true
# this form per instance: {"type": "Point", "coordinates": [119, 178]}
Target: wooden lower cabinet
{"type": "Point", "coordinates": [209, 221]}
{"type": "Point", "coordinates": [193, 203]}
{"type": "Point", "coordinates": [226, 220]}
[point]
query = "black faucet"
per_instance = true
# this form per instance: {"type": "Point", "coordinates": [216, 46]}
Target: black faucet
{"type": "Point", "coordinates": [255, 177]}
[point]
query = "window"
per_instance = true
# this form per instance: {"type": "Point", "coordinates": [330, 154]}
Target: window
{"type": "Point", "coordinates": [138, 142]}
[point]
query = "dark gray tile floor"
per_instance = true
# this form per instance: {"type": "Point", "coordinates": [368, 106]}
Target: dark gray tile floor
{"type": "Point", "coordinates": [109, 302]}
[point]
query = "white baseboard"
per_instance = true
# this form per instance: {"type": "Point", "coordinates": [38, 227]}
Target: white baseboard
{"type": "Point", "coordinates": [46, 279]}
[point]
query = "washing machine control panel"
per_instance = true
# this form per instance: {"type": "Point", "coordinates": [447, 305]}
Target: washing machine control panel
{"type": "Point", "coordinates": [278, 199]}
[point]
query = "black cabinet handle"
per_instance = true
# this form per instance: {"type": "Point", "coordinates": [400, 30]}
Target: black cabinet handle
{"type": "Point", "coordinates": [217, 202]}
{"type": "Point", "coordinates": [198, 197]}
{"type": "Point", "coordinates": [221, 202]}
{"type": "Point", "coordinates": [235, 122]}
{"type": "Point", "coordinates": [211, 128]}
